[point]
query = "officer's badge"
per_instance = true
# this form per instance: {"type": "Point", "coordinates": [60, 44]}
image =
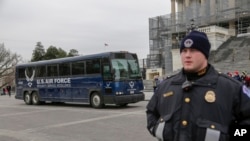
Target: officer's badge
{"type": "Point", "coordinates": [210, 96]}
{"type": "Point", "coordinates": [168, 94]}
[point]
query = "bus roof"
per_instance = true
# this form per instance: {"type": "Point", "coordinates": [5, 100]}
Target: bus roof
{"type": "Point", "coordinates": [68, 59]}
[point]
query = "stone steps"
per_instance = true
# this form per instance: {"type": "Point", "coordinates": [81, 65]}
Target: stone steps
{"type": "Point", "coordinates": [148, 85]}
{"type": "Point", "coordinates": [232, 55]}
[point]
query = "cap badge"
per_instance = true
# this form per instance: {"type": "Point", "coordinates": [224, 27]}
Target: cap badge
{"type": "Point", "coordinates": [188, 43]}
{"type": "Point", "coordinates": [210, 96]}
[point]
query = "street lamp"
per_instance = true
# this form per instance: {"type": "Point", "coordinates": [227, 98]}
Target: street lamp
{"type": "Point", "coordinates": [192, 26]}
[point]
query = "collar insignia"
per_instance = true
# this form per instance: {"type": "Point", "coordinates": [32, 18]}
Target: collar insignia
{"type": "Point", "coordinates": [201, 72]}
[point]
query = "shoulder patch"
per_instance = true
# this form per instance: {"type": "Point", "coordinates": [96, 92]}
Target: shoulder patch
{"type": "Point", "coordinates": [246, 90]}
{"type": "Point", "coordinates": [170, 76]}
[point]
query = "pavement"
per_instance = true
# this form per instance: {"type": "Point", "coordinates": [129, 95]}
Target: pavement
{"type": "Point", "coordinates": [148, 95]}
{"type": "Point", "coordinates": [72, 122]}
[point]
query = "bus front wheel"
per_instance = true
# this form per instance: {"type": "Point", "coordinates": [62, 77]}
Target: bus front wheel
{"type": "Point", "coordinates": [27, 98]}
{"type": "Point", "coordinates": [96, 101]}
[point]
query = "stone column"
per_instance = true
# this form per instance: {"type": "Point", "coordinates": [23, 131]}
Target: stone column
{"type": "Point", "coordinates": [180, 6]}
{"type": "Point", "coordinates": [203, 13]}
{"type": "Point", "coordinates": [232, 27]}
{"type": "Point", "coordinates": [173, 12]}
{"type": "Point", "coordinates": [173, 6]}
{"type": "Point", "coordinates": [213, 10]}
{"type": "Point", "coordinates": [168, 55]}
{"type": "Point", "coordinates": [187, 3]}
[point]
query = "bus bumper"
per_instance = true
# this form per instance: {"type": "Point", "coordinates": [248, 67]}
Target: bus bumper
{"type": "Point", "coordinates": [122, 99]}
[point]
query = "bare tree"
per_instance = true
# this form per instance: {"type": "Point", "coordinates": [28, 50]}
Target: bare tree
{"type": "Point", "coordinates": [8, 62]}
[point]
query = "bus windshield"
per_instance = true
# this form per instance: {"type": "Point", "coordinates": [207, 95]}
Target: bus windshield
{"type": "Point", "coordinates": [125, 69]}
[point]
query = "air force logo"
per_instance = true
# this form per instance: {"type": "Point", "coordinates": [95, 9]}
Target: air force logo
{"type": "Point", "coordinates": [30, 79]}
{"type": "Point", "coordinates": [188, 43]}
{"type": "Point", "coordinates": [131, 84]}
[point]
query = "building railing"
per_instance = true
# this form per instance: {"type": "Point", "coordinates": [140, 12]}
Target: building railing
{"type": "Point", "coordinates": [213, 29]}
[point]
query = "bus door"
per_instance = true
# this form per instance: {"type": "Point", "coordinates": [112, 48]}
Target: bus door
{"type": "Point", "coordinates": [107, 76]}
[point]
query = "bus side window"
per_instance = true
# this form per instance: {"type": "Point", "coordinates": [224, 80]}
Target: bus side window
{"type": "Point", "coordinates": [78, 68]}
{"type": "Point", "coordinates": [93, 66]}
{"type": "Point", "coordinates": [21, 73]}
{"type": "Point", "coordinates": [40, 71]}
{"type": "Point", "coordinates": [52, 70]}
{"type": "Point", "coordinates": [106, 70]}
{"type": "Point", "coordinates": [96, 68]}
{"type": "Point", "coordinates": [64, 69]}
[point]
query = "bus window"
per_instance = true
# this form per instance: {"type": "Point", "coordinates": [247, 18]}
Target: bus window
{"type": "Point", "coordinates": [126, 68]}
{"type": "Point", "coordinates": [78, 68]}
{"type": "Point", "coordinates": [121, 68]}
{"type": "Point", "coordinates": [64, 69]}
{"type": "Point", "coordinates": [21, 73]}
{"type": "Point", "coordinates": [134, 71]}
{"type": "Point", "coordinates": [93, 66]}
{"type": "Point", "coordinates": [40, 71]}
{"type": "Point", "coordinates": [106, 71]}
{"type": "Point", "coordinates": [52, 70]}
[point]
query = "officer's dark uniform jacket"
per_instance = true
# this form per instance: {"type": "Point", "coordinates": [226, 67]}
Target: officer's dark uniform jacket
{"type": "Point", "coordinates": [214, 101]}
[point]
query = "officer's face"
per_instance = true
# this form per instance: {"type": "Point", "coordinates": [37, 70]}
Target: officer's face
{"type": "Point", "coordinates": [193, 60]}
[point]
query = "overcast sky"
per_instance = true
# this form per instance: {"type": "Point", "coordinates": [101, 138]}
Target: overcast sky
{"type": "Point", "coordinates": [84, 25]}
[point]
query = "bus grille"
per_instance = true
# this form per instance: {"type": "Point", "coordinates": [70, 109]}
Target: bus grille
{"type": "Point", "coordinates": [108, 90]}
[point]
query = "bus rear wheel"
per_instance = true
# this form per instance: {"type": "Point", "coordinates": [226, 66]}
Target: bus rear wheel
{"type": "Point", "coordinates": [35, 98]}
{"type": "Point", "coordinates": [96, 101]}
{"type": "Point", "coordinates": [27, 98]}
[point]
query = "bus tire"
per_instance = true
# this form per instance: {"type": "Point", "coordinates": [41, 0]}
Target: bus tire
{"type": "Point", "coordinates": [96, 100]}
{"type": "Point", "coordinates": [35, 98]}
{"type": "Point", "coordinates": [27, 98]}
{"type": "Point", "coordinates": [123, 104]}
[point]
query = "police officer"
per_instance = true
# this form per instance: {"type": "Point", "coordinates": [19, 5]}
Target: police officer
{"type": "Point", "coordinates": [198, 103]}
{"type": "Point", "coordinates": [9, 89]}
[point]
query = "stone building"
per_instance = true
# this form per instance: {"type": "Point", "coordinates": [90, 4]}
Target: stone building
{"type": "Point", "coordinates": [220, 19]}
